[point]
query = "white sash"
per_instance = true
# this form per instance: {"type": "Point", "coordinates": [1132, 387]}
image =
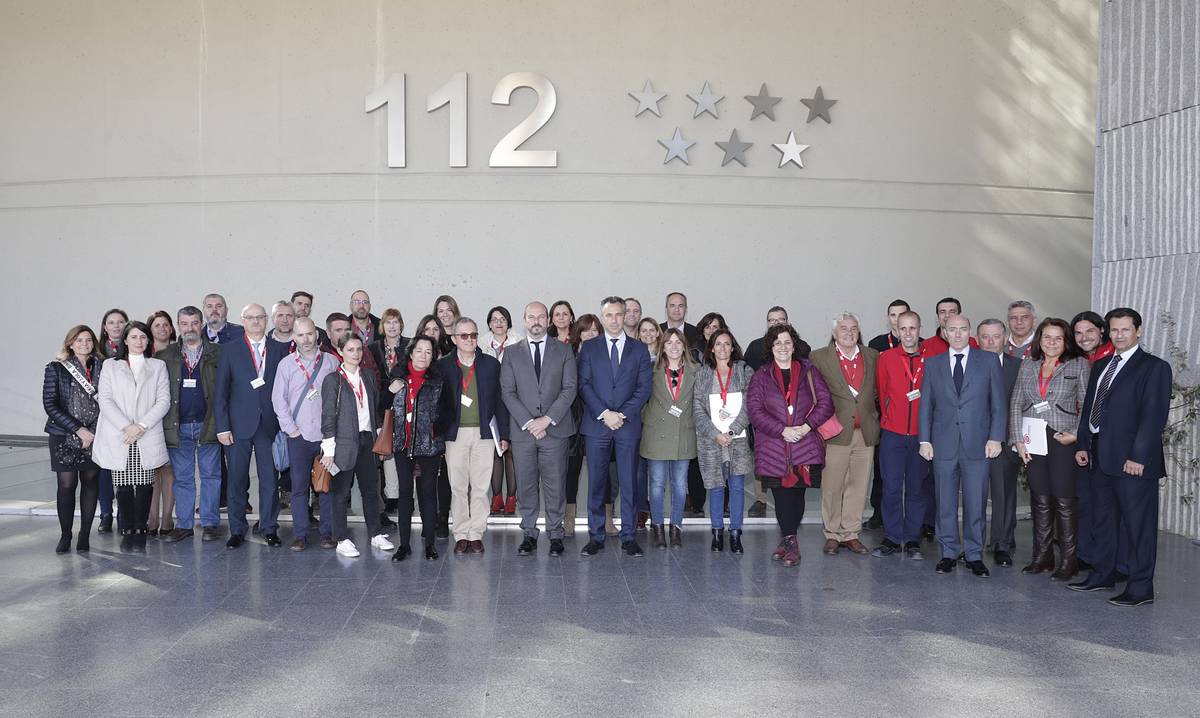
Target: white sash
{"type": "Point", "coordinates": [79, 377]}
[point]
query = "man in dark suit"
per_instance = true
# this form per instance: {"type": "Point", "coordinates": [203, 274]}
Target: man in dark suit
{"type": "Point", "coordinates": [1003, 468]}
{"type": "Point", "coordinates": [677, 318]}
{"type": "Point", "coordinates": [1120, 440]}
{"type": "Point", "coordinates": [537, 384]}
{"type": "Point", "coordinates": [614, 381]}
{"type": "Point", "coordinates": [246, 423]}
{"type": "Point", "coordinates": [962, 420]}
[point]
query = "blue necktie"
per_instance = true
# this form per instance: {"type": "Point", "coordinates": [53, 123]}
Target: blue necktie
{"type": "Point", "coordinates": [612, 356]}
{"type": "Point", "coordinates": [958, 373]}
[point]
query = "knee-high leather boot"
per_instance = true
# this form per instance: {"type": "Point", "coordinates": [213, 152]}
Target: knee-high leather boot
{"type": "Point", "coordinates": [1067, 519]}
{"type": "Point", "coordinates": [1043, 530]}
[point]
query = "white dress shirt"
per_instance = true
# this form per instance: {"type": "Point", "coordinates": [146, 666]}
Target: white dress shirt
{"type": "Point", "coordinates": [620, 345]}
{"type": "Point", "coordinates": [966, 351]}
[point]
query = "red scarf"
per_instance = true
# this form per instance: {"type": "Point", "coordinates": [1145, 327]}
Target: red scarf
{"type": "Point", "coordinates": [415, 380]}
{"type": "Point", "coordinates": [795, 473]}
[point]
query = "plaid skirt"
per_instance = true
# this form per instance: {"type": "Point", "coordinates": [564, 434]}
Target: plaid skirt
{"type": "Point", "coordinates": [134, 474]}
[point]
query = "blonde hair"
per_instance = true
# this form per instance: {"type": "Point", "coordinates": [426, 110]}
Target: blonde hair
{"type": "Point", "coordinates": [65, 352]}
{"type": "Point", "coordinates": [661, 360]}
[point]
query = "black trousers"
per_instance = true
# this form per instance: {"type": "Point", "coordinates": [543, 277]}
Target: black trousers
{"type": "Point", "coordinates": [574, 469]}
{"type": "Point", "coordinates": [789, 508]}
{"type": "Point", "coordinates": [365, 471]}
{"type": "Point", "coordinates": [877, 488]}
{"type": "Point", "coordinates": [443, 492]}
{"type": "Point", "coordinates": [427, 499]}
{"type": "Point", "coordinates": [133, 507]}
{"type": "Point", "coordinates": [696, 491]}
{"type": "Point", "coordinates": [1124, 521]}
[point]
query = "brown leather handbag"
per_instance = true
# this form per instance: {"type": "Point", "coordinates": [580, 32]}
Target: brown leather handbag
{"type": "Point", "coordinates": [383, 442]}
{"type": "Point", "coordinates": [832, 427]}
{"type": "Point", "coordinates": [322, 480]}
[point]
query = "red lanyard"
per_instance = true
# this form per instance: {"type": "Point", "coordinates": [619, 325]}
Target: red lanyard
{"type": "Point", "coordinates": [307, 375]}
{"type": "Point", "coordinates": [678, 387]}
{"type": "Point", "coordinates": [254, 354]}
{"type": "Point", "coordinates": [466, 379]}
{"type": "Point", "coordinates": [914, 379]}
{"type": "Point", "coordinates": [891, 341]}
{"type": "Point", "coordinates": [191, 368]}
{"type": "Point", "coordinates": [1044, 381]}
{"type": "Point", "coordinates": [89, 372]}
{"type": "Point", "coordinates": [365, 332]}
{"type": "Point", "coordinates": [389, 356]}
{"type": "Point", "coordinates": [498, 349]}
{"type": "Point", "coordinates": [724, 384]}
{"type": "Point", "coordinates": [358, 392]}
{"type": "Point", "coordinates": [789, 393]}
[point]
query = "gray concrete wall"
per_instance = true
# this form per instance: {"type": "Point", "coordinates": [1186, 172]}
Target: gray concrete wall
{"type": "Point", "coordinates": [153, 151]}
{"type": "Point", "coordinates": [1147, 229]}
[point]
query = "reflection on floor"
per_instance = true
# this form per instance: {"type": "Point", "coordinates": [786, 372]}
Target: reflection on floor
{"type": "Point", "coordinates": [195, 628]}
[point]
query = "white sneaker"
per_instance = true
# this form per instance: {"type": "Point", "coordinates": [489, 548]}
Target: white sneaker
{"type": "Point", "coordinates": [347, 548]}
{"type": "Point", "coordinates": [381, 542]}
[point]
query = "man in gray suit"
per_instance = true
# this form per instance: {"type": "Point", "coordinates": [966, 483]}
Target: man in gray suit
{"type": "Point", "coordinates": [537, 385]}
{"type": "Point", "coordinates": [962, 420]}
{"type": "Point", "coordinates": [1003, 468]}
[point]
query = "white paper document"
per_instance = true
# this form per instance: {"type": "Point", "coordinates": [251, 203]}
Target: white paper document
{"type": "Point", "coordinates": [1033, 434]}
{"type": "Point", "coordinates": [495, 429]}
{"type": "Point", "coordinates": [724, 419]}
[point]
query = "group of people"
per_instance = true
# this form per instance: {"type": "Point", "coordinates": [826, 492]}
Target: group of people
{"type": "Point", "coordinates": [454, 416]}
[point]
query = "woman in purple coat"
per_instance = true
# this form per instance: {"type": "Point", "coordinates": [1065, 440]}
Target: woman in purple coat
{"type": "Point", "coordinates": [787, 400]}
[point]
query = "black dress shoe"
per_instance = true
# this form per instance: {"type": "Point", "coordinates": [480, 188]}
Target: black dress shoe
{"type": "Point", "coordinates": [272, 540]}
{"type": "Point", "coordinates": [235, 540]}
{"type": "Point", "coordinates": [210, 533]}
{"type": "Point", "coordinates": [1087, 586]}
{"type": "Point", "coordinates": [385, 521]}
{"type": "Point", "coordinates": [556, 547]}
{"type": "Point", "coordinates": [632, 549]}
{"type": "Point", "coordinates": [402, 553]}
{"type": "Point", "coordinates": [1128, 600]}
{"type": "Point", "coordinates": [912, 549]}
{"type": "Point", "coordinates": [431, 553]}
{"type": "Point", "coordinates": [105, 526]}
{"type": "Point", "coordinates": [592, 548]}
{"type": "Point", "coordinates": [946, 565]}
{"type": "Point", "coordinates": [1002, 558]}
{"type": "Point", "coordinates": [126, 543]}
{"type": "Point", "coordinates": [527, 547]}
{"type": "Point", "coordinates": [978, 568]}
{"type": "Point", "coordinates": [887, 548]}
{"type": "Point", "coordinates": [442, 531]}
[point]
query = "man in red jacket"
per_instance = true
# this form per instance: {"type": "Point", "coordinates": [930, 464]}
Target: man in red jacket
{"type": "Point", "coordinates": [946, 307]}
{"type": "Point", "coordinates": [898, 378]}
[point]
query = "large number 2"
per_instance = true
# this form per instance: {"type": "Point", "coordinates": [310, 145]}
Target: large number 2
{"type": "Point", "coordinates": [454, 93]}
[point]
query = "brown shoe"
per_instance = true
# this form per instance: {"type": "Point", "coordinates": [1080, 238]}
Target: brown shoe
{"type": "Point", "coordinates": [856, 546]}
{"type": "Point", "coordinates": [831, 547]}
{"type": "Point", "coordinates": [460, 546]}
{"type": "Point", "coordinates": [297, 545]}
{"type": "Point", "coordinates": [328, 542]}
{"type": "Point", "coordinates": [475, 546]}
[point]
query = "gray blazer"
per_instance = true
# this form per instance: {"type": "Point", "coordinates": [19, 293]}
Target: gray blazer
{"type": "Point", "coordinates": [339, 415]}
{"type": "Point", "coordinates": [709, 454]}
{"type": "Point", "coordinates": [954, 422]}
{"type": "Point", "coordinates": [1065, 396]}
{"type": "Point", "coordinates": [527, 398]}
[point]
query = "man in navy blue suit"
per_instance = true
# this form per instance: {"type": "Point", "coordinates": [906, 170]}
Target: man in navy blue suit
{"type": "Point", "coordinates": [614, 381]}
{"type": "Point", "coordinates": [1120, 442]}
{"type": "Point", "coordinates": [246, 423]}
{"type": "Point", "coordinates": [962, 420]}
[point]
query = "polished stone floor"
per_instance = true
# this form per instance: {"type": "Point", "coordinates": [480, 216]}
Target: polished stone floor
{"type": "Point", "coordinates": [193, 628]}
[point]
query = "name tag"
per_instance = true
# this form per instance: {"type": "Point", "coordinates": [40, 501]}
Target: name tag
{"type": "Point", "coordinates": [675, 412]}
{"type": "Point", "coordinates": [408, 418]}
{"type": "Point", "coordinates": [724, 414]}
{"type": "Point", "coordinates": [853, 391]}
{"type": "Point", "coordinates": [313, 395]}
{"type": "Point", "coordinates": [466, 400]}
{"type": "Point", "coordinates": [1042, 407]}
{"type": "Point", "coordinates": [258, 383]}
{"type": "Point", "coordinates": [914, 395]}
{"type": "Point", "coordinates": [189, 383]}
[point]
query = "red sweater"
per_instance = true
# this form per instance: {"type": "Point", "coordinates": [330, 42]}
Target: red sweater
{"type": "Point", "coordinates": [892, 383]}
{"type": "Point", "coordinates": [935, 345]}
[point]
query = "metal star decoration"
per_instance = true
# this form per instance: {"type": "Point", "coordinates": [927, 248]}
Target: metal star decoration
{"type": "Point", "coordinates": [706, 101]}
{"type": "Point", "coordinates": [648, 99]}
{"type": "Point", "coordinates": [790, 151]}
{"type": "Point", "coordinates": [818, 106]}
{"type": "Point", "coordinates": [677, 147]}
{"type": "Point", "coordinates": [734, 149]}
{"type": "Point", "coordinates": [763, 103]}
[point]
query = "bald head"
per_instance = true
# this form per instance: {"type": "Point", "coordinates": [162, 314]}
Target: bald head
{"type": "Point", "coordinates": [536, 320]}
{"type": "Point", "coordinates": [304, 331]}
{"type": "Point", "coordinates": [958, 331]}
{"type": "Point", "coordinates": [254, 319]}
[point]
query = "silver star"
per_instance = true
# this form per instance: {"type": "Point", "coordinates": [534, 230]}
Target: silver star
{"type": "Point", "coordinates": [648, 99]}
{"type": "Point", "coordinates": [818, 106]}
{"type": "Point", "coordinates": [706, 101]}
{"type": "Point", "coordinates": [790, 151]}
{"type": "Point", "coordinates": [734, 149]}
{"type": "Point", "coordinates": [677, 146]}
{"type": "Point", "coordinates": [763, 103]}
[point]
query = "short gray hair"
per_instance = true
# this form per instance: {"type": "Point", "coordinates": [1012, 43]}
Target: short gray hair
{"type": "Point", "coordinates": [1022, 304]}
{"type": "Point", "coordinates": [281, 303]}
{"type": "Point", "coordinates": [833, 322]}
{"type": "Point", "coordinates": [990, 321]}
{"type": "Point", "coordinates": [464, 320]}
{"type": "Point", "coordinates": [189, 311]}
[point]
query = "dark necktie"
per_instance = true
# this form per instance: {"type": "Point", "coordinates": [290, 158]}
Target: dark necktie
{"type": "Point", "coordinates": [537, 360]}
{"type": "Point", "coordinates": [614, 359]}
{"type": "Point", "coordinates": [958, 373]}
{"type": "Point", "coordinates": [1097, 414]}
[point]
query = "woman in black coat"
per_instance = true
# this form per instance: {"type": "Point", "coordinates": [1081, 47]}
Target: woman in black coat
{"type": "Point", "coordinates": [69, 398]}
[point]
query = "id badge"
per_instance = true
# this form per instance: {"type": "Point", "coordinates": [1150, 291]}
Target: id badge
{"type": "Point", "coordinates": [914, 395]}
{"type": "Point", "coordinates": [313, 395]}
{"type": "Point", "coordinates": [675, 411]}
{"type": "Point", "coordinates": [258, 383]}
{"type": "Point", "coordinates": [853, 391]}
{"type": "Point", "coordinates": [1042, 407]}
{"type": "Point", "coordinates": [466, 400]}
{"type": "Point", "coordinates": [724, 414]}
{"type": "Point", "coordinates": [408, 418]}
{"type": "Point", "coordinates": [189, 383]}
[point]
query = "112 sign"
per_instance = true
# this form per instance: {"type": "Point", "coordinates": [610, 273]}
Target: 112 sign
{"type": "Point", "coordinates": [506, 153]}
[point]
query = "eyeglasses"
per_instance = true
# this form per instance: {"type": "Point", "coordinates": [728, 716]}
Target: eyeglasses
{"type": "Point", "coordinates": [471, 335]}
{"type": "Point", "coordinates": [360, 302]}
{"type": "Point", "coordinates": [255, 317]}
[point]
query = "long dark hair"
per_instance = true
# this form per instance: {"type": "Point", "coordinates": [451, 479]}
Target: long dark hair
{"type": "Point", "coordinates": [710, 359]}
{"type": "Point", "coordinates": [171, 324]}
{"type": "Point", "coordinates": [553, 330]}
{"type": "Point", "coordinates": [123, 350]}
{"type": "Point", "coordinates": [104, 338]}
{"type": "Point", "coordinates": [581, 325]}
{"type": "Point", "coordinates": [1071, 350]}
{"type": "Point", "coordinates": [708, 319]}
{"type": "Point", "coordinates": [1095, 320]}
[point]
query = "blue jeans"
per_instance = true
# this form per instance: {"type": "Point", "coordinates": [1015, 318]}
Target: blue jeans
{"type": "Point", "coordinates": [678, 472]}
{"type": "Point", "coordinates": [301, 453]}
{"type": "Point", "coordinates": [737, 502]}
{"type": "Point", "coordinates": [184, 461]}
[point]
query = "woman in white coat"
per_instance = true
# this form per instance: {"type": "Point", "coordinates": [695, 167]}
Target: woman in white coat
{"type": "Point", "coordinates": [134, 396]}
